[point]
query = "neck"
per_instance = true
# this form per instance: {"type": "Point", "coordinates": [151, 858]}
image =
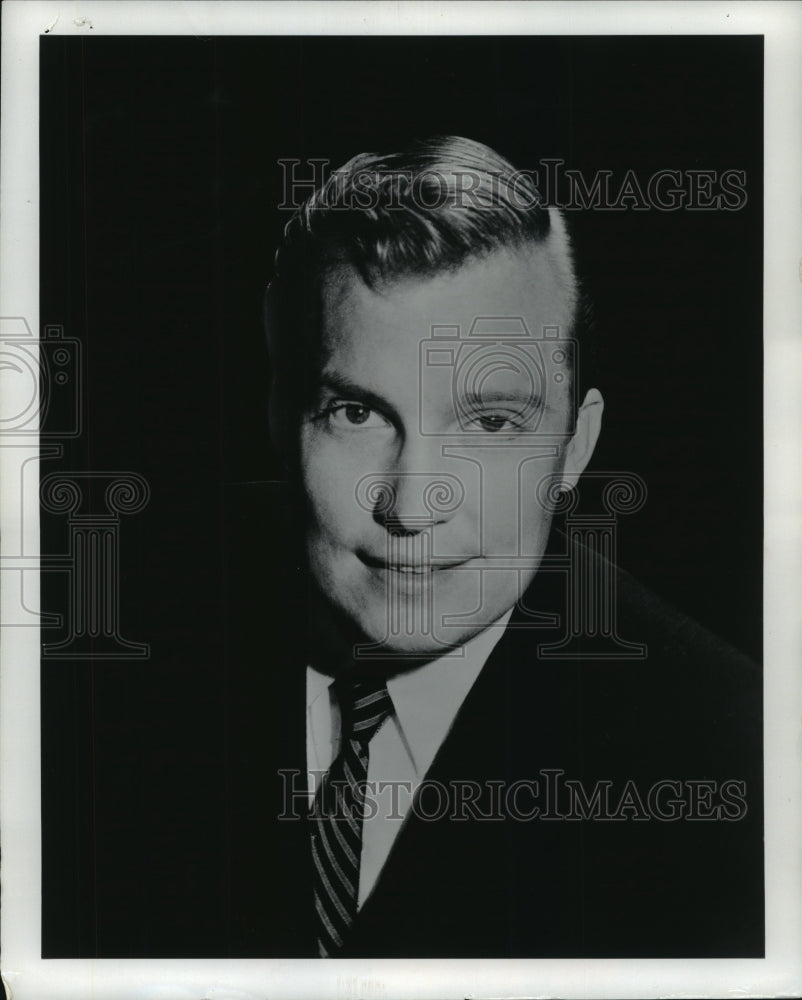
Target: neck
{"type": "Point", "coordinates": [332, 641]}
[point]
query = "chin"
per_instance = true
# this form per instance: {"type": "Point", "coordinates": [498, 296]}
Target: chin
{"type": "Point", "coordinates": [378, 642]}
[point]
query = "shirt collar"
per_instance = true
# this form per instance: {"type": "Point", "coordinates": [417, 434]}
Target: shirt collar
{"type": "Point", "coordinates": [316, 684]}
{"type": "Point", "coordinates": [426, 700]}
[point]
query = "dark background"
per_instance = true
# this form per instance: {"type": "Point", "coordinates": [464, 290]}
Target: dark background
{"type": "Point", "coordinates": [159, 187]}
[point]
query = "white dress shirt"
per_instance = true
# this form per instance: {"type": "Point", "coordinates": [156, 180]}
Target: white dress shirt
{"type": "Point", "coordinates": [425, 703]}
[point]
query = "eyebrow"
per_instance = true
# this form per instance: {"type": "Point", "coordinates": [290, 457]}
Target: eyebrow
{"type": "Point", "coordinates": [503, 396]}
{"type": "Point", "coordinates": [343, 386]}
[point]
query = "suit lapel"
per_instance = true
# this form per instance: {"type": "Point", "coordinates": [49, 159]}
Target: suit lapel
{"type": "Point", "coordinates": [447, 866]}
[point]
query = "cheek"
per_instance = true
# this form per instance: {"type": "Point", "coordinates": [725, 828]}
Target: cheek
{"type": "Point", "coordinates": [517, 515]}
{"type": "Point", "coordinates": [329, 482]}
{"type": "Point", "coordinates": [537, 487]}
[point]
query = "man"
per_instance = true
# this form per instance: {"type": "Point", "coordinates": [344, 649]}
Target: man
{"type": "Point", "coordinates": [483, 783]}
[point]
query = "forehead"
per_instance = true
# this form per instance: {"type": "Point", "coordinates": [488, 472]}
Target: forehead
{"type": "Point", "coordinates": [397, 316]}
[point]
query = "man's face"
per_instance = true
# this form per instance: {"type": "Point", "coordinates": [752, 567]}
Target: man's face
{"type": "Point", "coordinates": [437, 416]}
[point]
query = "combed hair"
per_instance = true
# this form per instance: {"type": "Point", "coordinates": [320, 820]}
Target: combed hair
{"type": "Point", "coordinates": [429, 209]}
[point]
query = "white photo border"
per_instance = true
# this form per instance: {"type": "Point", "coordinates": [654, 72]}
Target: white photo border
{"type": "Point", "coordinates": [27, 975]}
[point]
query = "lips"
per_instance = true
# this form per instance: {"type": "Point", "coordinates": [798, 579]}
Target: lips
{"type": "Point", "coordinates": [421, 568]}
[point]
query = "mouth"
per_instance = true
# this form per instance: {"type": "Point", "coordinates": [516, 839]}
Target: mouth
{"type": "Point", "coordinates": [422, 568]}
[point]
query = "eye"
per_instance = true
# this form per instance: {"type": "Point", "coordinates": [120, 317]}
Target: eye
{"type": "Point", "coordinates": [348, 416]}
{"type": "Point", "coordinates": [494, 423]}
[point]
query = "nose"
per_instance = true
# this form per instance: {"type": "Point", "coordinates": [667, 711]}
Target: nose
{"type": "Point", "coordinates": [416, 492]}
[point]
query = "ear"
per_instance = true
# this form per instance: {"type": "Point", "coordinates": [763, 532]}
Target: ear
{"type": "Point", "coordinates": [580, 448]}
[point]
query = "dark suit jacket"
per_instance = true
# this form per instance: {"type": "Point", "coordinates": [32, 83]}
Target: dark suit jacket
{"type": "Point", "coordinates": [637, 886]}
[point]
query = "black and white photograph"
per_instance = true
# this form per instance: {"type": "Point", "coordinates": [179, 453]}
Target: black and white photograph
{"type": "Point", "coordinates": [394, 416]}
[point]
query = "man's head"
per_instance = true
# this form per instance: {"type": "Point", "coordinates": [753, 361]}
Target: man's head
{"type": "Point", "coordinates": [422, 326]}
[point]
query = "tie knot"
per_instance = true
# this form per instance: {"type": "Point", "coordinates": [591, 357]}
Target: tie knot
{"type": "Point", "coordinates": [364, 705]}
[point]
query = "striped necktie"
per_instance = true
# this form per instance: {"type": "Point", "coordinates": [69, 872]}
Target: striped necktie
{"type": "Point", "coordinates": [338, 811]}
